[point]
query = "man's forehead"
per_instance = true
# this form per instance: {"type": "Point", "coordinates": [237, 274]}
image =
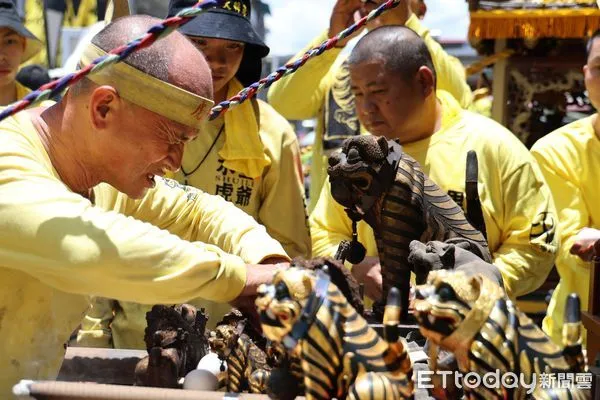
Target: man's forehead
{"type": "Point", "coordinates": [368, 71]}
{"type": "Point", "coordinates": [594, 50]}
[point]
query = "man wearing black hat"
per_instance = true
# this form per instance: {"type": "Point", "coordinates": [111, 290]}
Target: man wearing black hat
{"type": "Point", "coordinates": [249, 156]}
{"type": "Point", "coordinates": [17, 45]}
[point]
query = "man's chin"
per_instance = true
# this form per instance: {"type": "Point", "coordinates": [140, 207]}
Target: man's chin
{"type": "Point", "coordinates": [136, 193]}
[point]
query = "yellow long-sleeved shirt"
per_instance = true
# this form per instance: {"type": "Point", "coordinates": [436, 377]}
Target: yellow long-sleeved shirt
{"type": "Point", "coordinates": [275, 200]}
{"type": "Point", "coordinates": [517, 206]}
{"type": "Point", "coordinates": [321, 90]}
{"type": "Point", "coordinates": [56, 247]}
{"type": "Point", "coordinates": [569, 159]}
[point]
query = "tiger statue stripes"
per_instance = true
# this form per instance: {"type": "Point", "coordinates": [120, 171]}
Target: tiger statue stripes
{"type": "Point", "coordinates": [247, 365]}
{"type": "Point", "coordinates": [287, 378]}
{"type": "Point", "coordinates": [472, 317]}
{"type": "Point", "coordinates": [341, 355]}
{"type": "Point", "coordinates": [377, 182]}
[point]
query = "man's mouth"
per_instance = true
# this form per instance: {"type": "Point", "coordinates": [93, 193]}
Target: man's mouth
{"type": "Point", "coordinates": [150, 180]}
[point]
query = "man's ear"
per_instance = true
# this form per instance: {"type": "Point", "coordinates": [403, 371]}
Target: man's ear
{"type": "Point", "coordinates": [104, 102]}
{"type": "Point", "coordinates": [426, 80]}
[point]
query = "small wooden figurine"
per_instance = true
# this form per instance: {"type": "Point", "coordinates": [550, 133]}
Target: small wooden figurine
{"type": "Point", "coordinates": [377, 182]}
{"type": "Point", "coordinates": [247, 367]}
{"type": "Point", "coordinates": [472, 317]}
{"type": "Point", "coordinates": [341, 356]}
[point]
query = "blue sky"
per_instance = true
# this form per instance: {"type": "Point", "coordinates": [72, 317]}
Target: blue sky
{"type": "Point", "coordinates": [294, 23]}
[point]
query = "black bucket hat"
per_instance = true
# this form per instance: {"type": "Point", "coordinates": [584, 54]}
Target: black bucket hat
{"type": "Point", "coordinates": [9, 18]}
{"type": "Point", "coordinates": [230, 20]}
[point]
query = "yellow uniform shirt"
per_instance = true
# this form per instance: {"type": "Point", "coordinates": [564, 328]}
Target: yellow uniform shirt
{"type": "Point", "coordinates": [56, 247]}
{"type": "Point", "coordinates": [321, 90]}
{"type": "Point", "coordinates": [34, 21]}
{"type": "Point", "coordinates": [515, 200]}
{"type": "Point", "coordinates": [569, 159]}
{"type": "Point", "coordinates": [275, 200]}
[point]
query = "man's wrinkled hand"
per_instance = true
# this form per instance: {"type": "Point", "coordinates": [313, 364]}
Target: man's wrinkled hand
{"type": "Point", "coordinates": [584, 243]}
{"type": "Point", "coordinates": [395, 16]}
{"type": "Point", "coordinates": [344, 14]}
{"type": "Point", "coordinates": [256, 275]}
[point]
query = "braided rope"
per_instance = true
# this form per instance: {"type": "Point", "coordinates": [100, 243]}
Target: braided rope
{"type": "Point", "coordinates": [155, 33]}
{"type": "Point", "coordinates": [291, 67]}
{"type": "Point", "coordinates": [163, 29]}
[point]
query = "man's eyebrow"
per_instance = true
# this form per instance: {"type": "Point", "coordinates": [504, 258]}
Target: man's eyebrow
{"type": "Point", "coordinates": [10, 33]}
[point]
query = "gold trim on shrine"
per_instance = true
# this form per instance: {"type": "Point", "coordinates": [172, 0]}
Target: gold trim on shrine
{"type": "Point", "coordinates": [533, 24]}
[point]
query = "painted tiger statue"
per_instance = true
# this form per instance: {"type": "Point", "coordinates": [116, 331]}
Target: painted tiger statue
{"type": "Point", "coordinates": [247, 367]}
{"type": "Point", "coordinates": [341, 355]}
{"type": "Point", "coordinates": [472, 317]}
{"type": "Point", "coordinates": [377, 182]}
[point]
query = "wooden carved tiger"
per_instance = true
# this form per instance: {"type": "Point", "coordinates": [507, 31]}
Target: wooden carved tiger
{"type": "Point", "coordinates": [376, 181]}
{"type": "Point", "coordinates": [341, 356]}
{"type": "Point", "coordinates": [472, 317]}
{"type": "Point", "coordinates": [246, 363]}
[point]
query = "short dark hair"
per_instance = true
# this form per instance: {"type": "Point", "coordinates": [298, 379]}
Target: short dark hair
{"type": "Point", "coordinates": [161, 60]}
{"type": "Point", "coordinates": [590, 43]}
{"type": "Point", "coordinates": [153, 61]}
{"type": "Point", "coordinates": [401, 49]}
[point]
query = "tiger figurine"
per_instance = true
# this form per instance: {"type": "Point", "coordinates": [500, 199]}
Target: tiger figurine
{"type": "Point", "coordinates": [472, 317]}
{"type": "Point", "coordinates": [247, 365]}
{"type": "Point", "coordinates": [377, 182]}
{"type": "Point", "coordinates": [341, 355]}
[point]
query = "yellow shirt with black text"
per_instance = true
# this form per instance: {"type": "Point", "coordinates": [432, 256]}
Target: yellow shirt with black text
{"type": "Point", "coordinates": [518, 210]}
{"type": "Point", "coordinates": [275, 199]}
{"type": "Point", "coordinates": [57, 248]}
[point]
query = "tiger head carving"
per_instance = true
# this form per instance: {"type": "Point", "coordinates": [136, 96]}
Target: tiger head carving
{"type": "Point", "coordinates": [448, 298]}
{"type": "Point", "coordinates": [281, 302]}
{"type": "Point", "coordinates": [224, 338]}
{"type": "Point", "coordinates": [363, 172]}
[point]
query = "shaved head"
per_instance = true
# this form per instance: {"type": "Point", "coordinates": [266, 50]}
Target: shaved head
{"type": "Point", "coordinates": [173, 59]}
{"type": "Point", "coordinates": [399, 47]}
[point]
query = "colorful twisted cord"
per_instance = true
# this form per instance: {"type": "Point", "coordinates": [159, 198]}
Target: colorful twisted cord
{"type": "Point", "coordinates": [155, 33]}
{"type": "Point", "coordinates": [291, 67]}
{"type": "Point", "coordinates": [163, 29]}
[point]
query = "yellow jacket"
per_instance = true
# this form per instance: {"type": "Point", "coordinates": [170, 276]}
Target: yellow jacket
{"type": "Point", "coordinates": [568, 158]}
{"type": "Point", "coordinates": [321, 90]}
{"type": "Point", "coordinates": [56, 247]}
{"type": "Point", "coordinates": [34, 21]}
{"type": "Point", "coordinates": [515, 200]}
{"type": "Point", "coordinates": [275, 200]}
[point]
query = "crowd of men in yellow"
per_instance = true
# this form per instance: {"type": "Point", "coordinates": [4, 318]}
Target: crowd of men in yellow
{"type": "Point", "coordinates": [88, 218]}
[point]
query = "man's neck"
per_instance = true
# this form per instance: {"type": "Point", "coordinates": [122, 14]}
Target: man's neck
{"type": "Point", "coordinates": [221, 95]}
{"type": "Point", "coordinates": [429, 123]}
{"type": "Point", "coordinates": [68, 156]}
{"type": "Point", "coordinates": [8, 94]}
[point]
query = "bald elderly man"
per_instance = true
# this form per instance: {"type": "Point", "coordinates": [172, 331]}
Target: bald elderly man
{"type": "Point", "coordinates": [84, 209]}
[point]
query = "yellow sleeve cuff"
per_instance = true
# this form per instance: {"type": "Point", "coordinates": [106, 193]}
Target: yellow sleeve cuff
{"type": "Point", "coordinates": [254, 249]}
{"type": "Point", "coordinates": [233, 274]}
